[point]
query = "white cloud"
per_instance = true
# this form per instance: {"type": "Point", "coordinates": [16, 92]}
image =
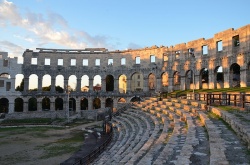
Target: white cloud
{"type": "Point", "coordinates": [51, 28]}
{"type": "Point", "coordinates": [12, 48]}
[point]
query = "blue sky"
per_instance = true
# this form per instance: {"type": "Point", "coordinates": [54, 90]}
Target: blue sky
{"type": "Point", "coordinates": [114, 24]}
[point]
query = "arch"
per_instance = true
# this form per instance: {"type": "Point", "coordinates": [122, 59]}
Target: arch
{"type": "Point", "coordinates": [122, 83]}
{"type": "Point", "coordinates": [19, 82]}
{"type": "Point", "coordinates": [85, 83]}
{"type": "Point", "coordinates": [109, 83]}
{"type": "Point", "coordinates": [33, 82]}
{"type": "Point", "coordinates": [46, 104]}
{"type": "Point", "coordinates": [204, 80]}
{"type": "Point", "coordinates": [135, 99]}
{"type": "Point", "coordinates": [137, 82]}
{"type": "Point", "coordinates": [46, 83]}
{"type": "Point", "coordinates": [96, 103]}
{"type": "Point", "coordinates": [84, 104]}
{"type": "Point", "coordinates": [234, 75]}
{"type": "Point", "coordinates": [151, 81]}
{"type": "Point", "coordinates": [72, 104]}
{"type": "Point", "coordinates": [218, 77]}
{"type": "Point", "coordinates": [59, 103]}
{"type": "Point", "coordinates": [121, 100]}
{"type": "Point", "coordinates": [72, 82]}
{"type": "Point", "coordinates": [18, 107]}
{"type": "Point", "coordinates": [5, 75]}
{"type": "Point", "coordinates": [32, 104]}
{"type": "Point", "coordinates": [189, 80]}
{"type": "Point", "coordinates": [4, 105]}
{"type": "Point", "coordinates": [59, 83]}
{"type": "Point", "coordinates": [176, 79]}
{"type": "Point", "coordinates": [164, 79]}
{"type": "Point", "coordinates": [109, 103]}
{"type": "Point", "coordinates": [97, 83]}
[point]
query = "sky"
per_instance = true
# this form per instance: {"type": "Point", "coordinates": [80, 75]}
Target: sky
{"type": "Point", "coordinates": [114, 24]}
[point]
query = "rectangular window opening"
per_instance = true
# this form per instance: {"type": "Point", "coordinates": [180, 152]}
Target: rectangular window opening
{"type": "Point", "coordinates": [8, 86]}
{"type": "Point", "coordinates": [191, 52]}
{"type": "Point", "coordinates": [204, 50]}
{"type": "Point", "coordinates": [1, 83]}
{"type": "Point", "coordinates": [236, 41]}
{"type": "Point", "coordinates": [219, 46]}
{"type": "Point", "coordinates": [110, 61]}
{"type": "Point", "coordinates": [33, 61]}
{"type": "Point", "coordinates": [123, 61]}
{"type": "Point", "coordinates": [5, 63]}
{"type": "Point", "coordinates": [73, 62]}
{"type": "Point", "coordinates": [97, 62]}
{"type": "Point", "coordinates": [165, 57]}
{"type": "Point", "coordinates": [152, 58]}
{"type": "Point", "coordinates": [137, 60]}
{"type": "Point", "coordinates": [85, 62]}
{"type": "Point", "coordinates": [47, 61]}
{"type": "Point", "coordinates": [177, 54]}
{"type": "Point", "coordinates": [60, 62]}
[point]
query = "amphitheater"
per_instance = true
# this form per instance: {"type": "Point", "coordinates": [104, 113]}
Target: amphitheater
{"type": "Point", "coordinates": [152, 130]}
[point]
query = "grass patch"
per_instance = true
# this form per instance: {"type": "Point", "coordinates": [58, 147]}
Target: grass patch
{"type": "Point", "coordinates": [214, 116]}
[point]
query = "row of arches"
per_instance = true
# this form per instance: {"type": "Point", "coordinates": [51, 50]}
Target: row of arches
{"type": "Point", "coordinates": [109, 83]}
{"type": "Point", "coordinates": [58, 104]}
{"type": "Point", "coordinates": [218, 78]}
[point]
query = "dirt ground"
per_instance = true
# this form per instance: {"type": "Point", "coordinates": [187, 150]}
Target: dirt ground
{"type": "Point", "coordinates": [39, 145]}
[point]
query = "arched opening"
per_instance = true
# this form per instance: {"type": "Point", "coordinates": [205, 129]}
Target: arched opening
{"type": "Point", "coordinates": [18, 105]}
{"type": "Point", "coordinates": [46, 83]}
{"type": "Point", "coordinates": [219, 77]}
{"type": "Point", "coordinates": [19, 82]}
{"type": "Point", "coordinates": [189, 80]}
{"type": "Point", "coordinates": [96, 103]}
{"type": "Point", "coordinates": [176, 80]}
{"type": "Point", "coordinates": [121, 100]}
{"type": "Point", "coordinates": [33, 82]}
{"type": "Point", "coordinates": [46, 104]}
{"type": "Point", "coordinates": [72, 104]}
{"type": "Point", "coordinates": [85, 83]}
{"type": "Point", "coordinates": [59, 84]}
{"type": "Point", "coordinates": [109, 83]}
{"type": "Point", "coordinates": [5, 75]}
{"type": "Point", "coordinates": [97, 85]}
{"type": "Point", "coordinates": [135, 99]}
{"type": "Point", "coordinates": [204, 78]}
{"type": "Point", "coordinates": [248, 74]}
{"type": "Point", "coordinates": [59, 104]}
{"type": "Point", "coordinates": [235, 75]}
{"type": "Point", "coordinates": [4, 105]}
{"type": "Point", "coordinates": [109, 103]}
{"type": "Point", "coordinates": [123, 83]}
{"type": "Point", "coordinates": [84, 104]}
{"type": "Point", "coordinates": [32, 104]}
{"type": "Point", "coordinates": [137, 82]}
{"type": "Point", "coordinates": [151, 82]}
{"type": "Point", "coordinates": [72, 83]}
{"type": "Point", "coordinates": [164, 82]}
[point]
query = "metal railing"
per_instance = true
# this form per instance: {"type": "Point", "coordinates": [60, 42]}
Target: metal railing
{"type": "Point", "coordinates": [94, 154]}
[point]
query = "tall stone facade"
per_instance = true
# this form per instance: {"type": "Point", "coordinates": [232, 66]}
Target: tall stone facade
{"type": "Point", "coordinates": [219, 62]}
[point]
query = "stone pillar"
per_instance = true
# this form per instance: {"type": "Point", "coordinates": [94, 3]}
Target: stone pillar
{"type": "Point", "coordinates": [114, 104]}
{"type": "Point", "coordinates": [103, 101]}
{"type": "Point", "coordinates": [39, 88]}
{"type": "Point", "coordinates": [116, 85]}
{"type": "Point", "coordinates": [26, 84]}
{"type": "Point", "coordinates": [12, 87]}
{"type": "Point", "coordinates": [53, 85]}
{"type": "Point", "coordinates": [170, 84]}
{"type": "Point", "coordinates": [158, 84]}
{"type": "Point", "coordinates": [66, 83]}
{"type": "Point", "coordinates": [243, 76]}
{"type": "Point", "coordinates": [90, 103]}
{"type": "Point", "coordinates": [226, 73]}
{"type": "Point", "coordinates": [65, 104]}
{"type": "Point", "coordinates": [25, 106]}
{"type": "Point", "coordinates": [91, 81]}
{"type": "Point", "coordinates": [145, 84]}
{"type": "Point", "coordinates": [182, 85]}
{"type": "Point", "coordinates": [78, 85]}
{"type": "Point", "coordinates": [103, 85]}
{"type": "Point", "coordinates": [196, 81]}
{"type": "Point", "coordinates": [78, 104]}
{"type": "Point", "coordinates": [210, 79]}
{"type": "Point", "coordinates": [128, 85]}
{"type": "Point", "coordinates": [52, 105]}
{"type": "Point", "coordinates": [11, 106]}
{"type": "Point", "coordinates": [39, 105]}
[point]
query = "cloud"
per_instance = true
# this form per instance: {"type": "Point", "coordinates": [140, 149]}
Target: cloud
{"type": "Point", "coordinates": [11, 47]}
{"type": "Point", "coordinates": [51, 28]}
